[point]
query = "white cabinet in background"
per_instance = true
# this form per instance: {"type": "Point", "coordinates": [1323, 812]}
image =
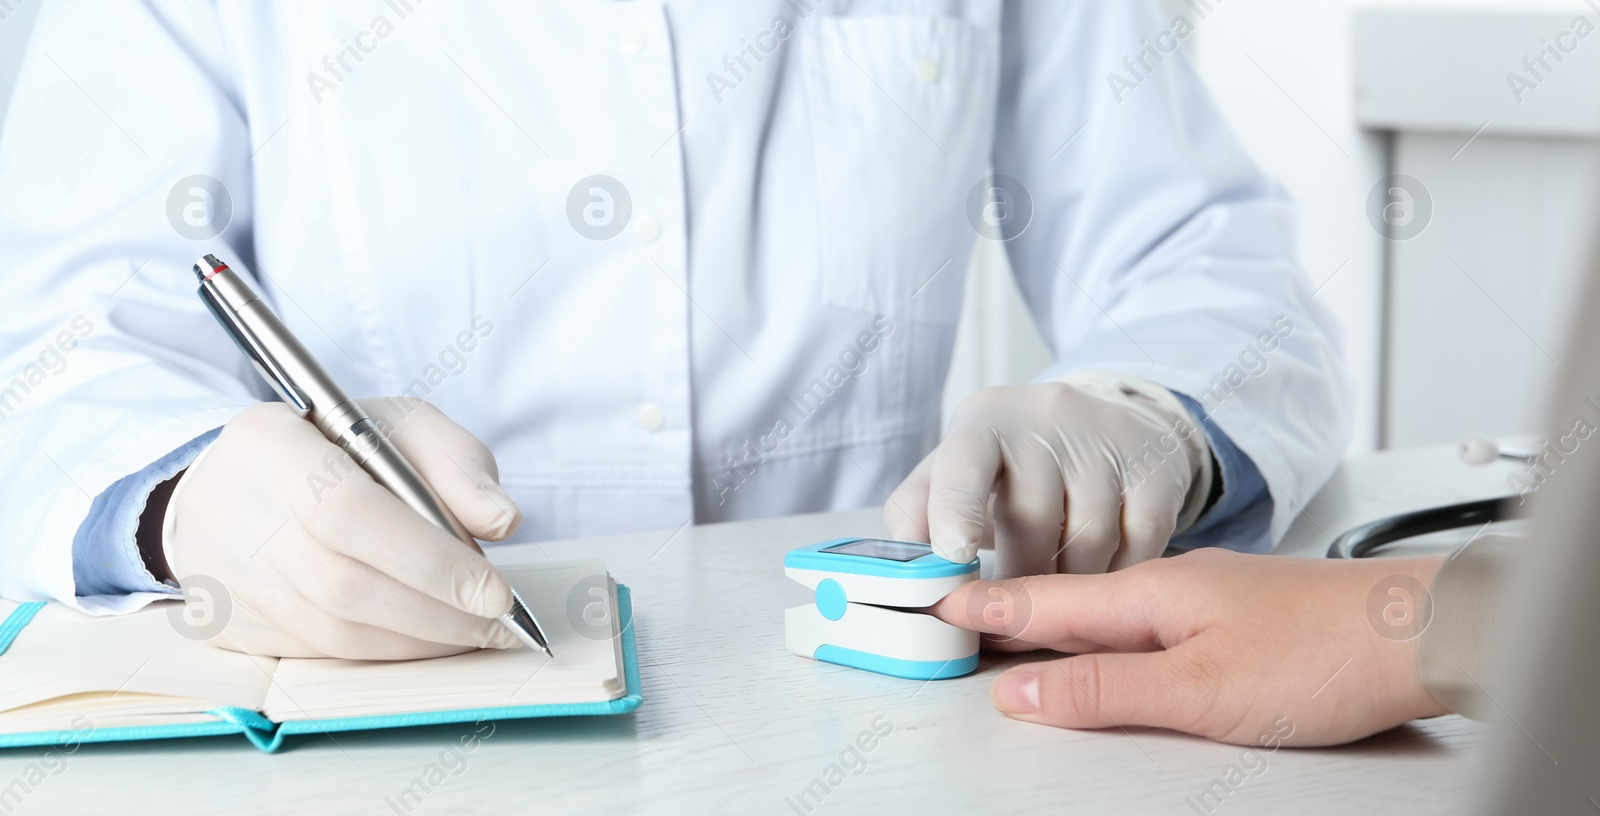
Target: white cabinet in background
{"type": "Point", "coordinates": [1479, 301]}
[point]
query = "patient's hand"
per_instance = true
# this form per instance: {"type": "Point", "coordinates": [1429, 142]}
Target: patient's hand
{"type": "Point", "coordinates": [1230, 647]}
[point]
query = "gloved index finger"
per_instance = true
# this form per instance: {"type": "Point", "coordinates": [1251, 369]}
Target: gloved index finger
{"type": "Point", "coordinates": [453, 461]}
{"type": "Point", "coordinates": [965, 467]}
{"type": "Point", "coordinates": [1109, 610]}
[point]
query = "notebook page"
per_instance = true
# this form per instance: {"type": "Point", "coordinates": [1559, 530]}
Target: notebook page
{"type": "Point", "coordinates": [114, 665]}
{"type": "Point", "coordinates": [587, 667]}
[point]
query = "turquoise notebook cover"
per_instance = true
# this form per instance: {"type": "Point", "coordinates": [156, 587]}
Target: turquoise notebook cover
{"type": "Point", "coordinates": [269, 736]}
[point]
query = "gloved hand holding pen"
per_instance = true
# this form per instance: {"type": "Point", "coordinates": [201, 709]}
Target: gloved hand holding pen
{"type": "Point", "coordinates": [319, 560]}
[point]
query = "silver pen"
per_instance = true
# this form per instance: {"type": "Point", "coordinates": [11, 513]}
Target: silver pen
{"type": "Point", "coordinates": [305, 387]}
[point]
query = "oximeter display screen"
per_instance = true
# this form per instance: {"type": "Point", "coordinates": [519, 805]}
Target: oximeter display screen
{"type": "Point", "coordinates": [878, 548]}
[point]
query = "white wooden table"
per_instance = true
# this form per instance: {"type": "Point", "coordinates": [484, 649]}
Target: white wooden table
{"type": "Point", "coordinates": [732, 723]}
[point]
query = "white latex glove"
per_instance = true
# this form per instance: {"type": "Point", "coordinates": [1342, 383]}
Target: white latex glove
{"type": "Point", "coordinates": [1092, 473]}
{"type": "Point", "coordinates": [296, 552]}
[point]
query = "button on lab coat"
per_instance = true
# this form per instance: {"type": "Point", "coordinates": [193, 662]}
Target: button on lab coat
{"type": "Point", "coordinates": [671, 261]}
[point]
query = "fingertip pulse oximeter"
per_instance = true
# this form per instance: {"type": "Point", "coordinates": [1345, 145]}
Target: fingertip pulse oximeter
{"type": "Point", "coordinates": [863, 614]}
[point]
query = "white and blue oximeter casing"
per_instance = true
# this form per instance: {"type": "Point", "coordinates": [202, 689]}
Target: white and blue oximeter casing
{"type": "Point", "coordinates": [852, 622]}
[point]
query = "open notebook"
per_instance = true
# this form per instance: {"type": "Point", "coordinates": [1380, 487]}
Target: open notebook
{"type": "Point", "coordinates": [70, 677]}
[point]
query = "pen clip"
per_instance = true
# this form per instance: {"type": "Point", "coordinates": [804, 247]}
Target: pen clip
{"type": "Point", "coordinates": [258, 356]}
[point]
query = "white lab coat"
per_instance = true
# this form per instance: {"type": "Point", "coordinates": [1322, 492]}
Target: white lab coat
{"type": "Point", "coordinates": [401, 176]}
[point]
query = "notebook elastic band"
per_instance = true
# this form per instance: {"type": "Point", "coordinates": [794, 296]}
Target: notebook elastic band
{"type": "Point", "coordinates": [14, 622]}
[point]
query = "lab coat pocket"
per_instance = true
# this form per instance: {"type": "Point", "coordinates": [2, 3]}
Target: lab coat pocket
{"type": "Point", "coordinates": [902, 116]}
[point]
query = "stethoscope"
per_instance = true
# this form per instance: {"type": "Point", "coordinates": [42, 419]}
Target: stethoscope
{"type": "Point", "coordinates": [1359, 542]}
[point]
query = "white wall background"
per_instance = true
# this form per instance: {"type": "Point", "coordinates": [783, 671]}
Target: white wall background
{"type": "Point", "coordinates": [1434, 355]}
{"type": "Point", "coordinates": [1282, 73]}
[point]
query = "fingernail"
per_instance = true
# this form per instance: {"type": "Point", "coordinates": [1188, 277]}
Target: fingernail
{"type": "Point", "coordinates": [505, 507]}
{"type": "Point", "coordinates": [481, 590]}
{"type": "Point", "coordinates": [502, 638]}
{"type": "Point", "coordinates": [960, 554]}
{"type": "Point", "coordinates": [495, 597]}
{"type": "Point", "coordinates": [1017, 692]}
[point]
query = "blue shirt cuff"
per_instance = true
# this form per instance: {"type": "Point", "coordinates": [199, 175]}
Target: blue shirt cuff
{"type": "Point", "coordinates": [1241, 518]}
{"type": "Point", "coordinates": [105, 552]}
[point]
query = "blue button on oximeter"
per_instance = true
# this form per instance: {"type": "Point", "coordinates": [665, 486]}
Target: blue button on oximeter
{"type": "Point", "coordinates": [863, 615]}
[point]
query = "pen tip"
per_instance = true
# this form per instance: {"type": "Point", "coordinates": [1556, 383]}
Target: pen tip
{"type": "Point", "coordinates": [521, 622]}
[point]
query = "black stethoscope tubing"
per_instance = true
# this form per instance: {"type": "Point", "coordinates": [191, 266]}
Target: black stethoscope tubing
{"type": "Point", "coordinates": [1360, 541]}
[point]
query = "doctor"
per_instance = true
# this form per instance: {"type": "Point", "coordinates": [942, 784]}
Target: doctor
{"type": "Point", "coordinates": [658, 263]}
